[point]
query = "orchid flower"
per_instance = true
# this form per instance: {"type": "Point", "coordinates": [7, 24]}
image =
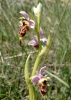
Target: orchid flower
{"type": "Point", "coordinates": [34, 41]}
{"type": "Point", "coordinates": [39, 77]}
{"type": "Point", "coordinates": [29, 21]}
{"type": "Point", "coordinates": [42, 81]}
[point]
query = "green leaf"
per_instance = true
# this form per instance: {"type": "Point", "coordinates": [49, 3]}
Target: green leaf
{"type": "Point", "coordinates": [60, 80]}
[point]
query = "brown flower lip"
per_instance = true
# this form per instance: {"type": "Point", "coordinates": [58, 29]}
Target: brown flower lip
{"type": "Point", "coordinates": [36, 46]}
{"type": "Point", "coordinates": [43, 87]}
{"type": "Point", "coordinates": [23, 30]}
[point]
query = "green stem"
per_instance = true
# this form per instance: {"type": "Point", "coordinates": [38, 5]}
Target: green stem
{"type": "Point", "coordinates": [36, 65]}
{"type": "Point", "coordinates": [34, 95]}
{"type": "Point", "coordinates": [38, 33]}
{"type": "Point", "coordinates": [46, 48]}
{"type": "Point", "coordinates": [32, 92]}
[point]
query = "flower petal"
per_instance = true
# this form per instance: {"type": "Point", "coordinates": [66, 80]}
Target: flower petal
{"type": "Point", "coordinates": [33, 42]}
{"type": "Point", "coordinates": [35, 11]}
{"type": "Point", "coordinates": [41, 70]}
{"type": "Point", "coordinates": [35, 79]}
{"type": "Point", "coordinates": [44, 40]}
{"type": "Point", "coordinates": [39, 7]}
{"type": "Point", "coordinates": [24, 14]}
{"type": "Point", "coordinates": [32, 23]}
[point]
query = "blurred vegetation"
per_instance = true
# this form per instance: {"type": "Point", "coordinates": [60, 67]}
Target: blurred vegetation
{"type": "Point", "coordinates": [13, 56]}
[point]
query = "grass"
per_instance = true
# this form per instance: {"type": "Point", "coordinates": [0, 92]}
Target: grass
{"type": "Point", "coordinates": [13, 56]}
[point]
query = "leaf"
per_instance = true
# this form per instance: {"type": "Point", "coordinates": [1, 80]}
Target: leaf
{"type": "Point", "coordinates": [60, 80]}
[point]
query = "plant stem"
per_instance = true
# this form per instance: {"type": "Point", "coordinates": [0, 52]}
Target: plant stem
{"type": "Point", "coordinates": [38, 33]}
{"type": "Point", "coordinates": [32, 92]}
{"type": "Point", "coordinates": [36, 65]}
{"type": "Point", "coordinates": [46, 48]}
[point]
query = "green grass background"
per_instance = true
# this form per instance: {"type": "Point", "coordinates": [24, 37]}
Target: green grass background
{"type": "Point", "coordinates": [12, 83]}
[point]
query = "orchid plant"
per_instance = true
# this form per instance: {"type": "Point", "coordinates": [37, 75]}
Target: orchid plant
{"type": "Point", "coordinates": [42, 44]}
